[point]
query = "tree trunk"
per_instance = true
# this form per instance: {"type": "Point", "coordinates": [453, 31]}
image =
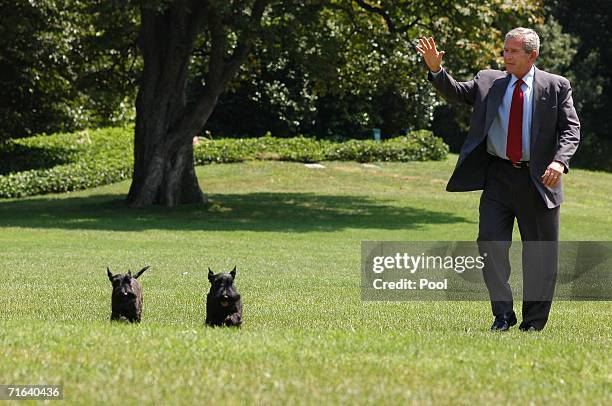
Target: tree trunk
{"type": "Point", "coordinates": [168, 177]}
{"type": "Point", "coordinates": [164, 168]}
{"type": "Point", "coordinates": [164, 171]}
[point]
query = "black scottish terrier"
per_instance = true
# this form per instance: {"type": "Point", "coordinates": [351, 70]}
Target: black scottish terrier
{"type": "Point", "coordinates": [223, 302]}
{"type": "Point", "coordinates": [127, 296]}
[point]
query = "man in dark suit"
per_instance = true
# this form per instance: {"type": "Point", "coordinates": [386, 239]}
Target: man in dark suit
{"type": "Point", "coordinates": [523, 132]}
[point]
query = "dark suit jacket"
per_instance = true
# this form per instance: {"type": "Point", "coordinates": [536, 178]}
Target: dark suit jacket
{"type": "Point", "coordinates": [555, 129]}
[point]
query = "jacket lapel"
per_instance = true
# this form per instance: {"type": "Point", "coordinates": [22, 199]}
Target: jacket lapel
{"type": "Point", "coordinates": [536, 106]}
{"type": "Point", "coordinates": [496, 95]}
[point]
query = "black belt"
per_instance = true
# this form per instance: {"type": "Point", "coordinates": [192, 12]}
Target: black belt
{"type": "Point", "coordinates": [519, 164]}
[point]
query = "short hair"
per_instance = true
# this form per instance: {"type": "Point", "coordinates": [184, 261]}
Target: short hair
{"type": "Point", "coordinates": [531, 41]}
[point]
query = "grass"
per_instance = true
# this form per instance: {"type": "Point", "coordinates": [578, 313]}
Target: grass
{"type": "Point", "coordinates": [294, 234]}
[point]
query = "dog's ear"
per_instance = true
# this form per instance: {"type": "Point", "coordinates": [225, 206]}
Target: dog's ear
{"type": "Point", "coordinates": [141, 272]}
{"type": "Point", "coordinates": [233, 273]}
{"type": "Point", "coordinates": [129, 273]}
{"type": "Point", "coordinates": [210, 275]}
{"type": "Point", "coordinates": [110, 275]}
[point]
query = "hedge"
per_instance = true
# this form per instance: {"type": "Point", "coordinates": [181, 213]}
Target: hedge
{"type": "Point", "coordinates": [85, 159]}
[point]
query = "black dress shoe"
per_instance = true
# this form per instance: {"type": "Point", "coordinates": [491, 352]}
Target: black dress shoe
{"type": "Point", "coordinates": [528, 327]}
{"type": "Point", "coordinates": [504, 322]}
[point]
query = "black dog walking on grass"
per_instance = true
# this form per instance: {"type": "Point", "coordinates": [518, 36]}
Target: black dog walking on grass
{"type": "Point", "coordinates": [223, 302]}
{"type": "Point", "coordinates": [127, 296]}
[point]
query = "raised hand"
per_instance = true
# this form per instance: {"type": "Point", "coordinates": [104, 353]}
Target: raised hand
{"type": "Point", "coordinates": [433, 58]}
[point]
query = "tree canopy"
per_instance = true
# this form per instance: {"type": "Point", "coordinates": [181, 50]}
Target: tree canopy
{"type": "Point", "coordinates": [328, 68]}
{"type": "Point", "coordinates": [66, 65]}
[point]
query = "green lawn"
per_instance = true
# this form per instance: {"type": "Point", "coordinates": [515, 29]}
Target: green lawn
{"type": "Point", "coordinates": [294, 234]}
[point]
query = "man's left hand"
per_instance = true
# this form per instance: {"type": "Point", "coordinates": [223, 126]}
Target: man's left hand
{"type": "Point", "coordinates": [553, 174]}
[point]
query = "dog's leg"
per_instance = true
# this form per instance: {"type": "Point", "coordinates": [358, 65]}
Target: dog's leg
{"type": "Point", "coordinates": [132, 316]}
{"type": "Point", "coordinates": [233, 319]}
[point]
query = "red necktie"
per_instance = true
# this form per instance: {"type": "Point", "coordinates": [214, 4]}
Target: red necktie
{"type": "Point", "coordinates": [514, 148]}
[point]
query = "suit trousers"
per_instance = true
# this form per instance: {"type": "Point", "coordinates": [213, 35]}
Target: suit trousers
{"type": "Point", "coordinates": [510, 194]}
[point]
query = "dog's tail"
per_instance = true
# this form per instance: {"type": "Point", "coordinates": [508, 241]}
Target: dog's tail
{"type": "Point", "coordinates": [141, 272]}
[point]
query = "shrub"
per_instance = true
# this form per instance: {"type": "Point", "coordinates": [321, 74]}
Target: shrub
{"type": "Point", "coordinates": [417, 146]}
{"type": "Point", "coordinates": [85, 159]}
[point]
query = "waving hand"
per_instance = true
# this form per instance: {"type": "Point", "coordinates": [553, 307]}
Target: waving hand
{"type": "Point", "coordinates": [433, 58]}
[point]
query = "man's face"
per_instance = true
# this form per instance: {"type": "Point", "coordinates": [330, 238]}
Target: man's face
{"type": "Point", "coordinates": [517, 60]}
